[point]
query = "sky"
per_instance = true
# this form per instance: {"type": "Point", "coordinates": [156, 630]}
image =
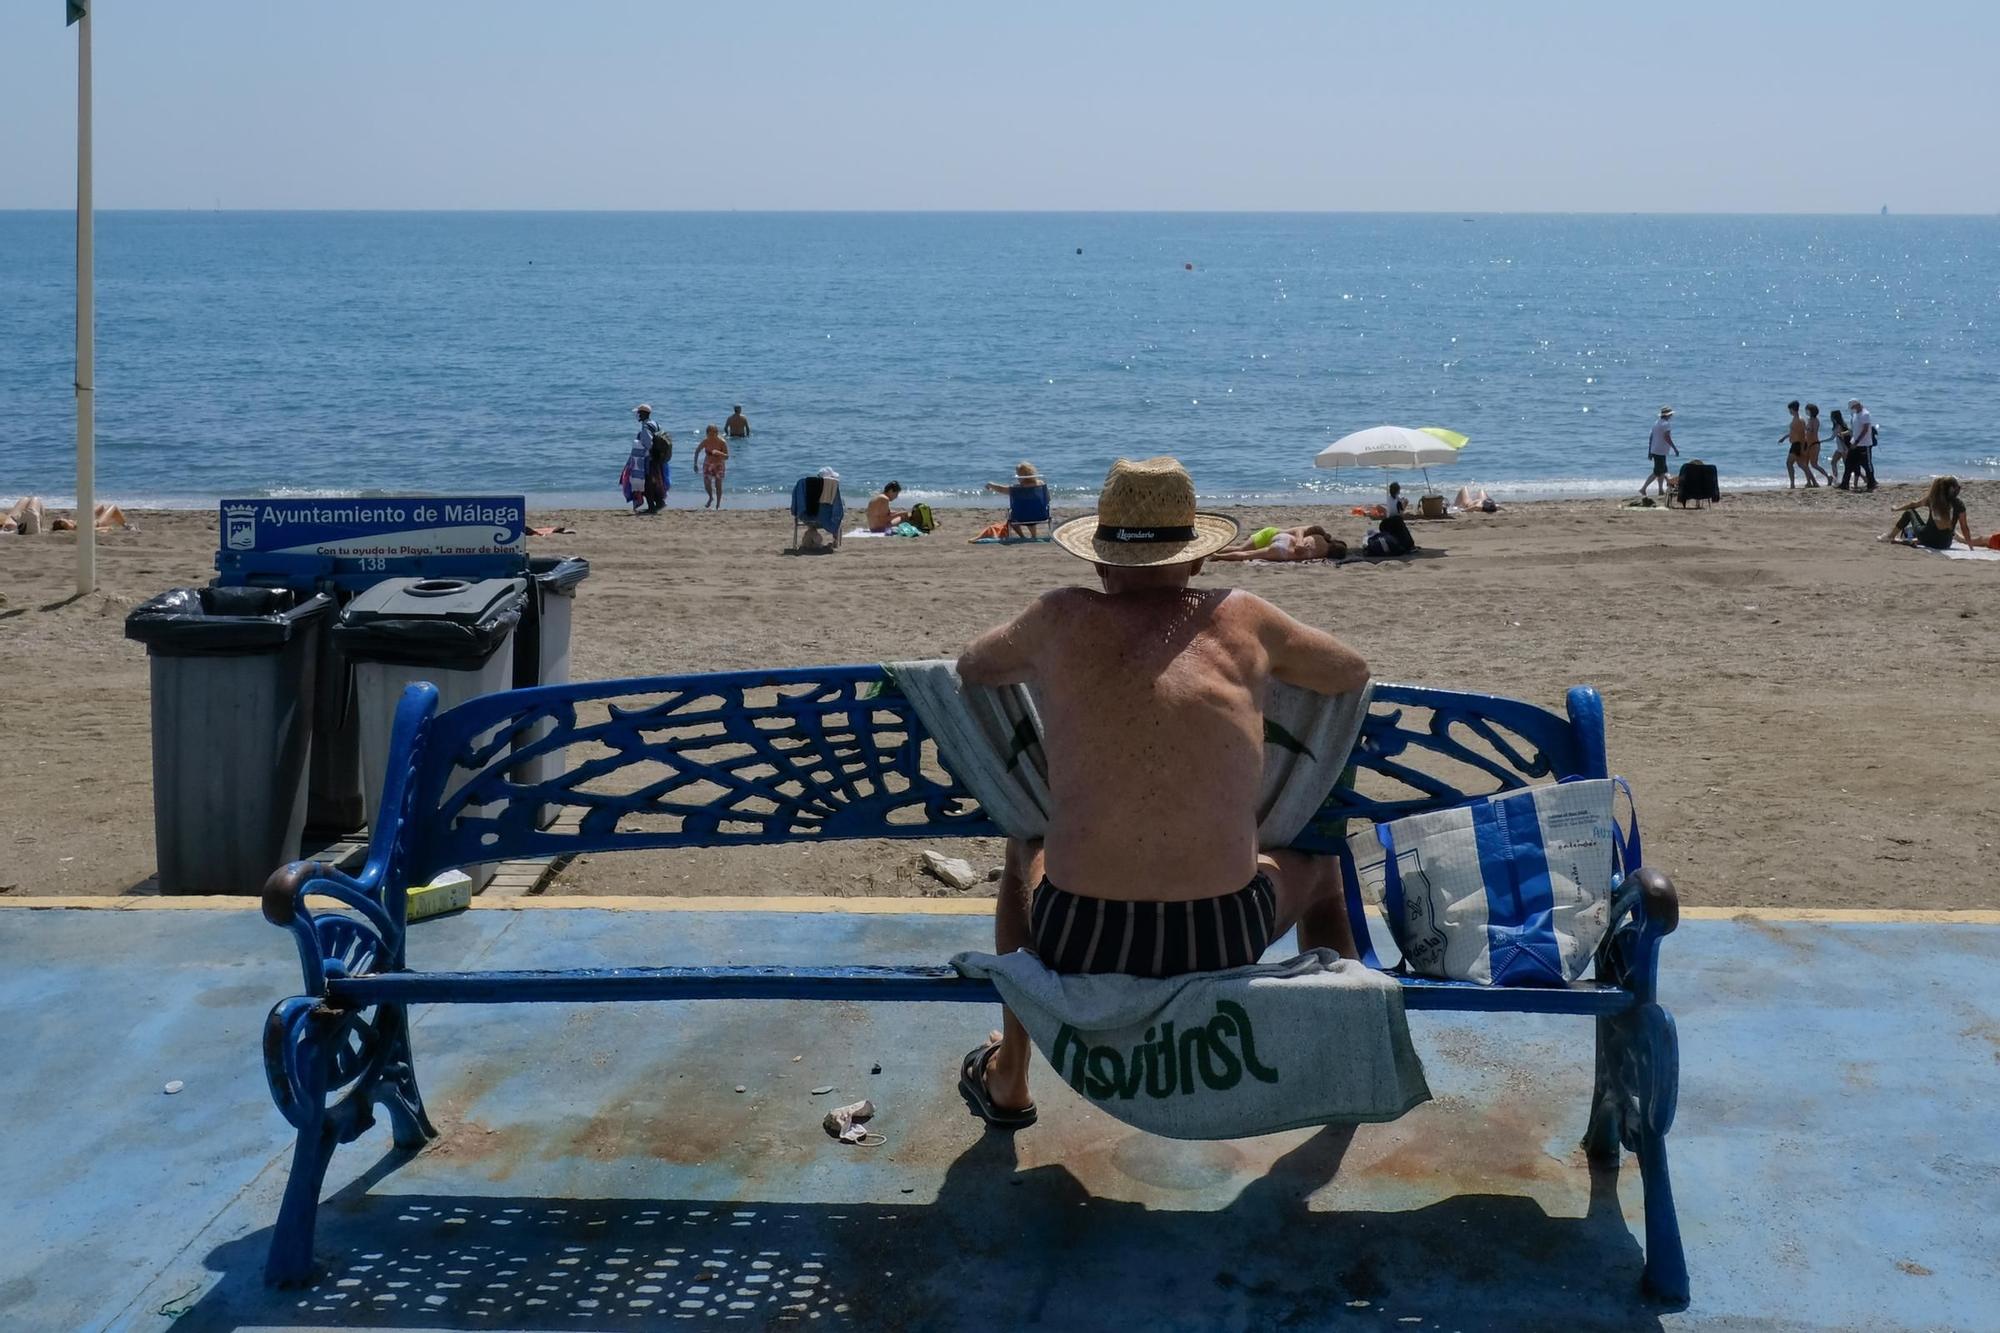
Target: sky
{"type": "Point", "coordinates": [1813, 106]}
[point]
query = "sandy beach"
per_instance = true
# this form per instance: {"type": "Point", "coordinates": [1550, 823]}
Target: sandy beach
{"type": "Point", "coordinates": [1806, 715]}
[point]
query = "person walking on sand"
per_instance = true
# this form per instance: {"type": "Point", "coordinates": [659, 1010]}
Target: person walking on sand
{"type": "Point", "coordinates": [711, 459]}
{"type": "Point", "coordinates": [1861, 452]}
{"type": "Point", "coordinates": [633, 479]}
{"type": "Point", "coordinates": [1658, 445]}
{"type": "Point", "coordinates": [1152, 702]}
{"type": "Point", "coordinates": [1812, 444]}
{"type": "Point", "coordinates": [659, 454]}
{"type": "Point", "coordinates": [1796, 454]}
{"type": "Point", "coordinates": [738, 425]}
{"type": "Point", "coordinates": [1843, 442]}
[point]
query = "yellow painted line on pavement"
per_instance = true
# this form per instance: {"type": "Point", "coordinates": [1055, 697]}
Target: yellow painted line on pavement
{"type": "Point", "coordinates": [939, 907]}
{"type": "Point", "coordinates": [1852, 916]}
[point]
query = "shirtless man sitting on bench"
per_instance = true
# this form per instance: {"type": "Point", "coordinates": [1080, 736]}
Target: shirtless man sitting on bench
{"type": "Point", "coordinates": [1151, 694]}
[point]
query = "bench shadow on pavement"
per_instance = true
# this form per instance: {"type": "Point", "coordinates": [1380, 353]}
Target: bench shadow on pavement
{"type": "Point", "coordinates": [998, 1248]}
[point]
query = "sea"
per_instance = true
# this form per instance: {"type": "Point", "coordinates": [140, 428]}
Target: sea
{"type": "Point", "coordinates": [243, 353]}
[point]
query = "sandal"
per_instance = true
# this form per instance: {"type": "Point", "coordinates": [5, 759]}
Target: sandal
{"type": "Point", "coordinates": [972, 1087]}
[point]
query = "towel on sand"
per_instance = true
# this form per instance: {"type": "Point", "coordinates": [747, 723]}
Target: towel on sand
{"type": "Point", "coordinates": [992, 740]}
{"type": "Point", "coordinates": [1957, 553]}
{"type": "Point", "coordinates": [1313, 1040]}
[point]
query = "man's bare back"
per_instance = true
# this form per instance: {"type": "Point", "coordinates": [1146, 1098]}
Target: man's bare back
{"type": "Point", "coordinates": [1152, 703]}
{"type": "Point", "coordinates": [1152, 700]}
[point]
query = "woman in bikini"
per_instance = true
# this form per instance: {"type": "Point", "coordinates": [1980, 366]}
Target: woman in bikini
{"type": "Point", "coordinates": [711, 459]}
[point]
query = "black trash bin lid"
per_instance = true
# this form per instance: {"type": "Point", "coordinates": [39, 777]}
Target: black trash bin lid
{"type": "Point", "coordinates": [222, 621]}
{"type": "Point", "coordinates": [558, 573]}
{"type": "Point", "coordinates": [453, 623]}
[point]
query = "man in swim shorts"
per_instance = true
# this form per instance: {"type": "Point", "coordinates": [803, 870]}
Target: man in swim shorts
{"type": "Point", "coordinates": [1151, 695]}
{"type": "Point", "coordinates": [738, 425]}
{"type": "Point", "coordinates": [711, 459]}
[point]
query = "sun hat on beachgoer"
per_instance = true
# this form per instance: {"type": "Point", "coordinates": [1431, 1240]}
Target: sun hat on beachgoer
{"type": "Point", "coordinates": [645, 409]}
{"type": "Point", "coordinates": [1666, 411]}
{"type": "Point", "coordinates": [1854, 402]}
{"type": "Point", "coordinates": [1146, 516]}
{"type": "Point", "coordinates": [1026, 472]}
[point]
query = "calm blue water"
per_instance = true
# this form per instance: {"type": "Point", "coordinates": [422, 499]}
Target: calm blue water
{"type": "Point", "coordinates": [274, 353]}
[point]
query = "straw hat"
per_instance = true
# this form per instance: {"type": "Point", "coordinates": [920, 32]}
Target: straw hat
{"type": "Point", "coordinates": [643, 410]}
{"type": "Point", "coordinates": [1666, 412]}
{"type": "Point", "coordinates": [1026, 472]}
{"type": "Point", "coordinates": [1146, 516]}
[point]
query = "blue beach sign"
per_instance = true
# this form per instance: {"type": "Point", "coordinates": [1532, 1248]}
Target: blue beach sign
{"type": "Point", "coordinates": [352, 542]}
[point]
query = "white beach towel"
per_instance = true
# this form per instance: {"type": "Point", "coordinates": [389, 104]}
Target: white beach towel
{"type": "Point", "coordinates": [992, 740]}
{"type": "Point", "coordinates": [1960, 553]}
{"type": "Point", "coordinates": [1314, 1040]}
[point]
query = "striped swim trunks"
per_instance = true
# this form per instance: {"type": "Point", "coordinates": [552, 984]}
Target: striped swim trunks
{"type": "Point", "coordinates": [1072, 933]}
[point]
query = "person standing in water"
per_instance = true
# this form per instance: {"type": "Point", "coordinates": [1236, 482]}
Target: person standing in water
{"type": "Point", "coordinates": [711, 459]}
{"type": "Point", "coordinates": [738, 425]}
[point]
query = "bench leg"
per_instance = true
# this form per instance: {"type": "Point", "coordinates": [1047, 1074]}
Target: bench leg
{"type": "Point", "coordinates": [397, 1091]}
{"type": "Point", "coordinates": [1600, 1137]}
{"type": "Point", "coordinates": [1632, 1106]}
{"type": "Point", "coordinates": [310, 1052]}
{"type": "Point", "coordinates": [1666, 1274]}
{"type": "Point", "coordinates": [299, 1054]}
{"type": "Point", "coordinates": [291, 1258]}
{"type": "Point", "coordinates": [1657, 1079]}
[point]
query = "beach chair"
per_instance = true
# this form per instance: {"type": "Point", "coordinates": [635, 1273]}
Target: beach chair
{"type": "Point", "coordinates": [1027, 507]}
{"type": "Point", "coordinates": [816, 503]}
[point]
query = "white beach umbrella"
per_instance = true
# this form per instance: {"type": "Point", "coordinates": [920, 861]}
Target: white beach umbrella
{"type": "Point", "coordinates": [1394, 447]}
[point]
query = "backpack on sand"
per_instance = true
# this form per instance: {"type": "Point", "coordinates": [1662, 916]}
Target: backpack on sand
{"type": "Point", "coordinates": [921, 517]}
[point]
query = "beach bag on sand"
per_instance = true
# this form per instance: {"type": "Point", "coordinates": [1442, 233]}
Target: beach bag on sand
{"type": "Point", "coordinates": [921, 517]}
{"type": "Point", "coordinates": [1511, 890]}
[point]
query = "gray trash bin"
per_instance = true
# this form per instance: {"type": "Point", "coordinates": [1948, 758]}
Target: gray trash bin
{"type": "Point", "coordinates": [233, 676]}
{"type": "Point", "coordinates": [541, 655]}
{"type": "Point", "coordinates": [456, 634]}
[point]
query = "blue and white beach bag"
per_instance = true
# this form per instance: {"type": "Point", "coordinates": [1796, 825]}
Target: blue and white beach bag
{"type": "Point", "coordinates": [1511, 890]}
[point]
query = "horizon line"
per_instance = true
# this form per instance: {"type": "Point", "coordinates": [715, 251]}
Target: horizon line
{"type": "Point", "coordinates": [1024, 212]}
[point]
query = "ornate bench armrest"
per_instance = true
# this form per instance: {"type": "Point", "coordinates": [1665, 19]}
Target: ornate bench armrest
{"type": "Point", "coordinates": [333, 942]}
{"type": "Point", "coordinates": [1646, 910]}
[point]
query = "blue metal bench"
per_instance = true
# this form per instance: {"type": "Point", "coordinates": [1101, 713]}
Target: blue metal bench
{"type": "Point", "coordinates": [835, 752]}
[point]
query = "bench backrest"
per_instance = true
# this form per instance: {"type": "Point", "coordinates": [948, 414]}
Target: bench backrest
{"type": "Point", "coordinates": [824, 753]}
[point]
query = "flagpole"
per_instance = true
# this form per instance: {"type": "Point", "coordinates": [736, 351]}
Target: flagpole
{"type": "Point", "coordinates": [86, 339]}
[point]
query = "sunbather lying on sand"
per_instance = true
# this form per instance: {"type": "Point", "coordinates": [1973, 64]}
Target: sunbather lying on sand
{"type": "Point", "coordinates": [1151, 696]}
{"type": "Point", "coordinates": [1308, 543]}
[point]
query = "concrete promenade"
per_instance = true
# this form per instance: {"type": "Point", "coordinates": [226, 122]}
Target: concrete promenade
{"type": "Point", "coordinates": [1836, 1158]}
